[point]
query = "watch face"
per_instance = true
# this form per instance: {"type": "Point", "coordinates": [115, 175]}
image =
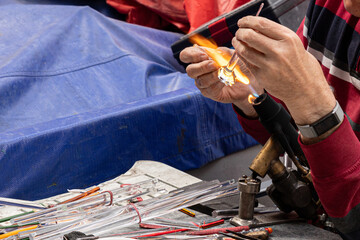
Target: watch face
{"type": "Point", "coordinates": [326, 124]}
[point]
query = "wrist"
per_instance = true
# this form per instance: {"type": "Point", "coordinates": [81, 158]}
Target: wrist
{"type": "Point", "coordinates": [311, 113]}
{"type": "Point", "coordinates": [311, 97]}
{"type": "Point", "coordinates": [245, 109]}
{"type": "Point", "coordinates": [309, 141]}
{"type": "Point", "coordinates": [322, 128]}
{"type": "Point", "coordinates": [312, 106]}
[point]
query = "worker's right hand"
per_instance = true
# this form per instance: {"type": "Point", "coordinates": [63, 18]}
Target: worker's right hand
{"type": "Point", "coordinates": [205, 72]}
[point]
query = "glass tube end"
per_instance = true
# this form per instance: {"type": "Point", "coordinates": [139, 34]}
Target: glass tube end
{"type": "Point", "coordinates": [226, 76]}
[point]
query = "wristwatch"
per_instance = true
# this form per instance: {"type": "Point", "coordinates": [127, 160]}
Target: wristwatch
{"type": "Point", "coordinates": [324, 124]}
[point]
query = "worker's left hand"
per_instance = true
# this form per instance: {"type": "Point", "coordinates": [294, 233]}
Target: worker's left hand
{"type": "Point", "coordinates": [204, 71]}
{"type": "Point", "coordinates": [279, 62]}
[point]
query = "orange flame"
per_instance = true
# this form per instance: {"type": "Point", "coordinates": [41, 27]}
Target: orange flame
{"type": "Point", "coordinates": [251, 98]}
{"type": "Point", "coordinates": [220, 57]}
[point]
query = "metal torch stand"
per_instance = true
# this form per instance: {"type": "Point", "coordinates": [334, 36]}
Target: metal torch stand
{"type": "Point", "coordinates": [248, 188]}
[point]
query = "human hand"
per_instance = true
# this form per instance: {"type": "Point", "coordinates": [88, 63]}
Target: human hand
{"type": "Point", "coordinates": [205, 72]}
{"type": "Point", "coordinates": [278, 60]}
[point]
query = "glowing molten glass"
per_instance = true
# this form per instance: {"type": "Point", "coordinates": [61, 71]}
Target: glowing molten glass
{"type": "Point", "coordinates": [229, 71]}
{"type": "Point", "coordinates": [222, 59]}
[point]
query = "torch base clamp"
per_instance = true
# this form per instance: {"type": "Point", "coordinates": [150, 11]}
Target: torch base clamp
{"type": "Point", "coordinates": [237, 221]}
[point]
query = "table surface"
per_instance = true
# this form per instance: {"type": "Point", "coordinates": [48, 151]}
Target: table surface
{"type": "Point", "coordinates": [171, 179]}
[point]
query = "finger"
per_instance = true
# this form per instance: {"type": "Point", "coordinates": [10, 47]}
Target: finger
{"type": "Point", "coordinates": [206, 80]}
{"type": "Point", "coordinates": [255, 40]}
{"type": "Point", "coordinates": [213, 91]}
{"type": "Point", "coordinates": [264, 26]}
{"type": "Point", "coordinates": [226, 50]}
{"type": "Point", "coordinates": [250, 56]}
{"type": "Point", "coordinates": [193, 55]}
{"type": "Point", "coordinates": [197, 69]}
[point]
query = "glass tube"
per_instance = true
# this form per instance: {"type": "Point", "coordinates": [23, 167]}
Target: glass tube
{"type": "Point", "coordinates": [114, 218]}
{"type": "Point", "coordinates": [81, 206]}
{"type": "Point", "coordinates": [226, 74]}
{"type": "Point", "coordinates": [177, 202]}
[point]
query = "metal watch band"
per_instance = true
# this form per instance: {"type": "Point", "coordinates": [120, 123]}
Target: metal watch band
{"type": "Point", "coordinates": [324, 124]}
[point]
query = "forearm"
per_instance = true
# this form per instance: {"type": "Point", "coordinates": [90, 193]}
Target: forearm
{"type": "Point", "coordinates": [252, 126]}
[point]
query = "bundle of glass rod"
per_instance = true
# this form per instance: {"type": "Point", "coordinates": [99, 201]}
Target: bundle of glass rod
{"type": "Point", "coordinates": [88, 205]}
{"type": "Point", "coordinates": [135, 234]}
{"type": "Point", "coordinates": [107, 220]}
{"type": "Point", "coordinates": [149, 237]}
{"type": "Point", "coordinates": [164, 237]}
{"type": "Point", "coordinates": [166, 204]}
{"type": "Point", "coordinates": [60, 215]}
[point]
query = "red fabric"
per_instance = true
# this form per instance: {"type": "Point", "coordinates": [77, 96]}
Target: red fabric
{"type": "Point", "coordinates": [156, 14]}
{"type": "Point", "coordinates": [338, 9]}
{"type": "Point", "coordinates": [201, 11]}
{"type": "Point", "coordinates": [255, 129]}
{"type": "Point", "coordinates": [335, 169]}
{"type": "Point", "coordinates": [186, 15]}
{"type": "Point", "coordinates": [220, 32]}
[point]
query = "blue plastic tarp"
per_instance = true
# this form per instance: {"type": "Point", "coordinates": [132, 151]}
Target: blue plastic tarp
{"type": "Point", "coordinates": [83, 96]}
